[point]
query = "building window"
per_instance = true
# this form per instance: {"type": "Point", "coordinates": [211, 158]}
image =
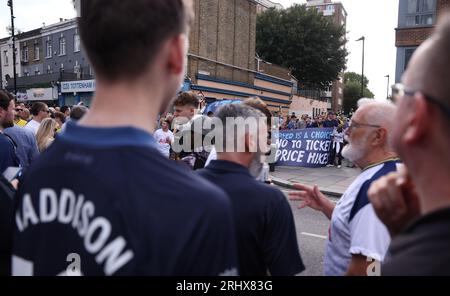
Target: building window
{"type": "Point", "coordinates": [62, 45]}
{"type": "Point", "coordinates": [25, 54]}
{"type": "Point", "coordinates": [48, 48]}
{"type": "Point", "coordinates": [62, 68]}
{"type": "Point", "coordinates": [408, 53]}
{"type": "Point", "coordinates": [49, 69]}
{"type": "Point", "coordinates": [5, 58]}
{"type": "Point", "coordinates": [37, 71]}
{"type": "Point", "coordinates": [37, 52]}
{"type": "Point", "coordinates": [421, 13]}
{"type": "Point", "coordinates": [76, 43]}
{"type": "Point", "coordinates": [26, 73]}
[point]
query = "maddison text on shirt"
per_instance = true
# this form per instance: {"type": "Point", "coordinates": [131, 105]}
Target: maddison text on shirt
{"type": "Point", "coordinates": [73, 210]}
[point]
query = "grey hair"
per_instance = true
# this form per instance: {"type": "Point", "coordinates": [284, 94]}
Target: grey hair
{"type": "Point", "coordinates": [381, 113]}
{"type": "Point", "coordinates": [227, 135]}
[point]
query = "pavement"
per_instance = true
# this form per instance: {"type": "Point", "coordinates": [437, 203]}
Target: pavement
{"type": "Point", "coordinates": [312, 226]}
{"type": "Point", "coordinates": [332, 181]}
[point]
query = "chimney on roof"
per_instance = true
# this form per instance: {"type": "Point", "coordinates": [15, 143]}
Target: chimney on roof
{"type": "Point", "coordinates": [60, 19]}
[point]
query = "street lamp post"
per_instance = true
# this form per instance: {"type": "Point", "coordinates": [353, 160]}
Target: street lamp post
{"type": "Point", "coordinates": [10, 4]}
{"type": "Point", "coordinates": [363, 39]}
{"type": "Point", "coordinates": [387, 91]}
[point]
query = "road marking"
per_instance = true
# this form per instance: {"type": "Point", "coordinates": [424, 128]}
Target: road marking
{"type": "Point", "coordinates": [314, 235]}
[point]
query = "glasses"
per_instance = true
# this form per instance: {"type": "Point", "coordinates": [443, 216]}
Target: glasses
{"type": "Point", "coordinates": [46, 111]}
{"type": "Point", "coordinates": [399, 91]}
{"type": "Point", "coordinates": [355, 124]}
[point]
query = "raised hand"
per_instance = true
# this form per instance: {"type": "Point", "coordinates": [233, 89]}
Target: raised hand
{"type": "Point", "coordinates": [394, 200]}
{"type": "Point", "coordinates": [313, 198]}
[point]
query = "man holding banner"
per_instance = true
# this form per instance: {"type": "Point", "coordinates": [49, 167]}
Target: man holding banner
{"type": "Point", "coordinates": [357, 236]}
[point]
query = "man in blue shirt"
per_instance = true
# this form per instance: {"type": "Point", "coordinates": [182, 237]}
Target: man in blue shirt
{"type": "Point", "coordinates": [331, 121]}
{"type": "Point", "coordinates": [266, 236]}
{"type": "Point", "coordinates": [27, 149]}
{"type": "Point", "coordinates": [8, 157]}
{"type": "Point", "coordinates": [102, 200]}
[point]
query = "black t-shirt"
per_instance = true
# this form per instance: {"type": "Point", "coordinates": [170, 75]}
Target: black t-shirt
{"type": "Point", "coordinates": [263, 219]}
{"type": "Point", "coordinates": [6, 225]}
{"type": "Point", "coordinates": [330, 123]}
{"type": "Point", "coordinates": [108, 200]}
{"type": "Point", "coordinates": [422, 249]}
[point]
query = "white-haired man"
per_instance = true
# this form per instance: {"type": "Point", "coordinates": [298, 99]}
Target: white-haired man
{"type": "Point", "coordinates": [357, 236]}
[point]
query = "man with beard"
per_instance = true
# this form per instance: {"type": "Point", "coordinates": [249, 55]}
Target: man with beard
{"type": "Point", "coordinates": [265, 229]}
{"type": "Point", "coordinates": [8, 157]}
{"type": "Point", "coordinates": [357, 236]}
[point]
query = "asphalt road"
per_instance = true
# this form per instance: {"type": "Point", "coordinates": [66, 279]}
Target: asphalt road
{"type": "Point", "coordinates": [312, 234]}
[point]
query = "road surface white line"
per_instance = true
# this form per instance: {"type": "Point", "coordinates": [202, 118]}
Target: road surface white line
{"type": "Point", "coordinates": [314, 235]}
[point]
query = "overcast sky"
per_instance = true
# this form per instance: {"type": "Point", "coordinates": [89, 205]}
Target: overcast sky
{"type": "Point", "coordinates": [375, 19]}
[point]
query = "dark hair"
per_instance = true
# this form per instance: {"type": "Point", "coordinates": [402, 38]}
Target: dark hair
{"type": "Point", "coordinates": [116, 30]}
{"type": "Point", "coordinates": [5, 99]}
{"type": "Point", "coordinates": [61, 116]}
{"type": "Point", "coordinates": [187, 99]}
{"type": "Point", "coordinates": [78, 112]}
{"type": "Point", "coordinates": [36, 108]}
{"type": "Point", "coordinates": [64, 109]}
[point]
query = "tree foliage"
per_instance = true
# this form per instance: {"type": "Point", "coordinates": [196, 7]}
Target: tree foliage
{"type": "Point", "coordinates": [303, 40]}
{"type": "Point", "coordinates": [352, 90]}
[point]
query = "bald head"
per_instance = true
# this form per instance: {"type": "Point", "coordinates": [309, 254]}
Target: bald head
{"type": "Point", "coordinates": [378, 113]}
{"type": "Point", "coordinates": [429, 68]}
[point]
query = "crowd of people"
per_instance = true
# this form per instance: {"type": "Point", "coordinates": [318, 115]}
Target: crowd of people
{"type": "Point", "coordinates": [324, 120]}
{"type": "Point", "coordinates": [116, 186]}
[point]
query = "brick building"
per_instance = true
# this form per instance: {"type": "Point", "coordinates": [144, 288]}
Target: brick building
{"type": "Point", "coordinates": [222, 63]}
{"type": "Point", "coordinates": [416, 20]}
{"type": "Point", "coordinates": [336, 11]}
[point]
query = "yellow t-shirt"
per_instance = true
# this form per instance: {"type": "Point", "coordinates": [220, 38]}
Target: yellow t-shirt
{"type": "Point", "coordinates": [21, 122]}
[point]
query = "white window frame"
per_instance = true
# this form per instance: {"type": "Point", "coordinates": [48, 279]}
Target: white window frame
{"type": "Point", "coordinates": [25, 54]}
{"type": "Point", "coordinates": [415, 16]}
{"type": "Point", "coordinates": [62, 45]}
{"type": "Point", "coordinates": [48, 48]}
{"type": "Point", "coordinates": [6, 58]}
{"type": "Point", "coordinates": [37, 51]}
{"type": "Point", "coordinates": [76, 43]}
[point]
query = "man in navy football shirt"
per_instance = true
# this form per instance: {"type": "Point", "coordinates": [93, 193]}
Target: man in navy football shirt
{"type": "Point", "coordinates": [265, 229]}
{"type": "Point", "coordinates": [102, 200]}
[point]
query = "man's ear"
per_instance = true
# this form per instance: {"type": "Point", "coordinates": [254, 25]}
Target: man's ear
{"type": "Point", "coordinates": [251, 143]}
{"type": "Point", "coordinates": [419, 119]}
{"type": "Point", "coordinates": [192, 110]}
{"type": "Point", "coordinates": [177, 54]}
{"type": "Point", "coordinates": [380, 138]}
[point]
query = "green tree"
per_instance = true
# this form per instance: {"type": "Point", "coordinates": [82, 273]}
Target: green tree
{"type": "Point", "coordinates": [303, 40]}
{"type": "Point", "coordinates": [352, 90]}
